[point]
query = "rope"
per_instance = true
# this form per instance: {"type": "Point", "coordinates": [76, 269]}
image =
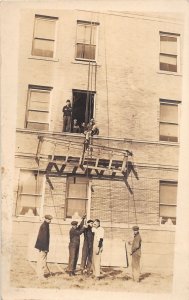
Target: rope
{"type": "Point", "coordinates": [133, 194]}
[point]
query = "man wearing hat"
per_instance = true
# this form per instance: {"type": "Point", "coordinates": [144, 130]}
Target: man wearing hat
{"type": "Point", "coordinates": [74, 244]}
{"type": "Point", "coordinates": [42, 244]}
{"type": "Point", "coordinates": [87, 251]}
{"type": "Point", "coordinates": [136, 253]}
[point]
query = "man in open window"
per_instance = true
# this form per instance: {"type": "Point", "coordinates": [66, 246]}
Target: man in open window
{"type": "Point", "coordinates": [67, 115]}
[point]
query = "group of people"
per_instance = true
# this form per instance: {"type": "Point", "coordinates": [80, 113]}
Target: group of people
{"type": "Point", "coordinates": [84, 128]}
{"type": "Point", "coordinates": [91, 250]}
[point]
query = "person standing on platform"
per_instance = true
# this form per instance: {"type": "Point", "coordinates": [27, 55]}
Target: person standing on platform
{"type": "Point", "coordinates": [67, 115]}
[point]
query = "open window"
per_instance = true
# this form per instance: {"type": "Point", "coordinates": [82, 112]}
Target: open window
{"type": "Point", "coordinates": [83, 106]}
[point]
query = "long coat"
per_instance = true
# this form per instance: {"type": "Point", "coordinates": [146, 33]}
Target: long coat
{"type": "Point", "coordinates": [43, 238]}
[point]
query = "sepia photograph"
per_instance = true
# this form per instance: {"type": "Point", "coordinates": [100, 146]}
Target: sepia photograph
{"type": "Point", "coordinates": [94, 181]}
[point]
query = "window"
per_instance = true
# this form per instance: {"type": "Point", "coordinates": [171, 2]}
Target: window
{"type": "Point", "coordinates": [168, 202]}
{"type": "Point", "coordinates": [169, 52]}
{"type": "Point", "coordinates": [77, 197]}
{"type": "Point", "coordinates": [168, 127]}
{"type": "Point", "coordinates": [37, 112]}
{"type": "Point", "coordinates": [44, 36]}
{"type": "Point", "coordinates": [29, 193]}
{"type": "Point", "coordinates": [83, 106]}
{"type": "Point", "coordinates": [86, 40]}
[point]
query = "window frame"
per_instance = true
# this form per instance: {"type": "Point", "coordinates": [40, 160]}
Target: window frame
{"type": "Point", "coordinates": [43, 89]}
{"type": "Point", "coordinates": [89, 23]}
{"type": "Point", "coordinates": [177, 55]}
{"type": "Point", "coordinates": [44, 17]}
{"type": "Point", "coordinates": [87, 200]}
{"type": "Point", "coordinates": [40, 195]}
{"type": "Point", "coordinates": [85, 92]}
{"type": "Point", "coordinates": [167, 182]}
{"type": "Point", "coordinates": [170, 103]}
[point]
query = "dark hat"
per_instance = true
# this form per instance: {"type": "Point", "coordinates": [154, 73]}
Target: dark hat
{"type": "Point", "coordinates": [74, 223]}
{"type": "Point", "coordinates": [48, 217]}
{"type": "Point", "coordinates": [135, 228]}
{"type": "Point", "coordinates": [90, 221]}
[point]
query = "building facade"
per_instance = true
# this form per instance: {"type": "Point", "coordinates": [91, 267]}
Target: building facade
{"type": "Point", "coordinates": [124, 70]}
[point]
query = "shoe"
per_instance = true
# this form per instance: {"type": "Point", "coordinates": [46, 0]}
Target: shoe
{"type": "Point", "coordinates": [82, 272]}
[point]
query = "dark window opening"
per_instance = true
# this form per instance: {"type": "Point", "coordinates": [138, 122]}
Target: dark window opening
{"type": "Point", "coordinates": [83, 107]}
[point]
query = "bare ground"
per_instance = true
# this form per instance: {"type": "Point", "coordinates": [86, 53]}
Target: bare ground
{"type": "Point", "coordinates": [112, 279]}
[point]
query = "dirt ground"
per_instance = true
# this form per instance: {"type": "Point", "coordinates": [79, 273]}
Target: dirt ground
{"type": "Point", "coordinates": [23, 275]}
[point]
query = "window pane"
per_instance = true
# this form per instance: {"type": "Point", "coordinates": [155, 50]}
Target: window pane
{"type": "Point", "coordinates": [37, 126]}
{"type": "Point", "coordinates": [39, 96]}
{"type": "Point", "coordinates": [168, 44]}
{"type": "Point", "coordinates": [77, 190]}
{"type": "Point", "coordinates": [28, 205]}
{"type": "Point", "coordinates": [89, 52]}
{"type": "Point", "coordinates": [167, 211]}
{"type": "Point", "coordinates": [43, 48]}
{"type": "Point", "coordinates": [76, 206]}
{"type": "Point", "coordinates": [168, 132]}
{"type": "Point", "coordinates": [168, 59]}
{"type": "Point", "coordinates": [86, 34]}
{"type": "Point", "coordinates": [38, 116]}
{"type": "Point", "coordinates": [30, 183]}
{"type": "Point", "coordinates": [169, 113]}
{"type": "Point", "coordinates": [39, 105]}
{"type": "Point", "coordinates": [168, 63]}
{"type": "Point", "coordinates": [85, 51]}
{"type": "Point", "coordinates": [45, 28]}
{"type": "Point", "coordinates": [168, 193]}
{"type": "Point", "coordinates": [80, 51]}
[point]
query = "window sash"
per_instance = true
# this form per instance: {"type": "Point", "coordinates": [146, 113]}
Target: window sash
{"type": "Point", "coordinates": [86, 33]}
{"type": "Point", "coordinates": [45, 28]}
{"type": "Point", "coordinates": [76, 206]}
{"type": "Point", "coordinates": [168, 44]}
{"type": "Point", "coordinates": [43, 47]}
{"type": "Point", "coordinates": [168, 132]}
{"type": "Point", "coordinates": [85, 51]}
{"type": "Point", "coordinates": [168, 62]}
{"type": "Point", "coordinates": [169, 113]}
{"type": "Point", "coordinates": [76, 201]}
